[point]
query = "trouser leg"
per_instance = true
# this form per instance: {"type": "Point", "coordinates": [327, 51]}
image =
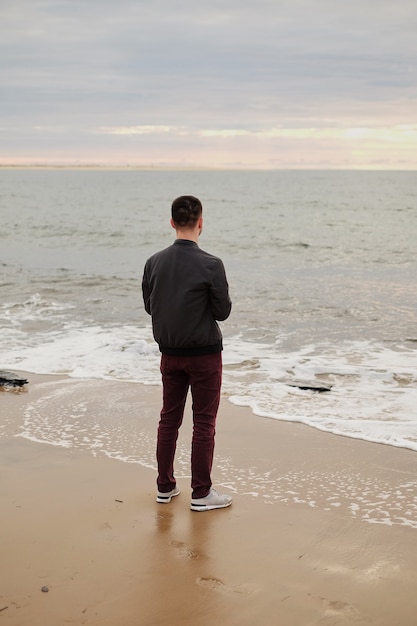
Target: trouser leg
{"type": "Point", "coordinates": [175, 384]}
{"type": "Point", "coordinates": [205, 378]}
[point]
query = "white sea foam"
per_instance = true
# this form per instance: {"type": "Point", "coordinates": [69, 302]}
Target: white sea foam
{"type": "Point", "coordinates": [373, 395]}
{"type": "Point", "coordinates": [101, 417]}
{"type": "Point", "coordinates": [122, 353]}
{"type": "Point", "coordinates": [374, 500]}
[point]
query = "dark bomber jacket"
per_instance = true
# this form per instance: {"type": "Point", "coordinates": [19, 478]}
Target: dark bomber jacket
{"type": "Point", "coordinates": [185, 291]}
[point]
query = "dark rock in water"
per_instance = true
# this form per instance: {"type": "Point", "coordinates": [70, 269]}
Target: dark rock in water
{"type": "Point", "coordinates": [9, 379]}
{"type": "Point", "coordinates": [45, 589]}
{"type": "Point", "coordinates": [312, 385]}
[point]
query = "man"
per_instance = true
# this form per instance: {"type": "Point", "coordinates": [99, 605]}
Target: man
{"type": "Point", "coordinates": [185, 291]}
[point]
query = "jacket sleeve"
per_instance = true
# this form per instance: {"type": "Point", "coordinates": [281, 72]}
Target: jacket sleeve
{"type": "Point", "coordinates": [220, 301]}
{"type": "Point", "coordinates": [146, 291]}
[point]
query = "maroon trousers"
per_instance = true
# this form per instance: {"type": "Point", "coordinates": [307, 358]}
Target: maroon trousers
{"type": "Point", "coordinates": [203, 374]}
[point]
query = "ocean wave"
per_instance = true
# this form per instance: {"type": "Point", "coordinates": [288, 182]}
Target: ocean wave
{"type": "Point", "coordinates": [373, 386]}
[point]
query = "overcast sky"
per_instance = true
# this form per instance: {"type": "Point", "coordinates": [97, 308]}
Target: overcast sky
{"type": "Point", "coordinates": [230, 83]}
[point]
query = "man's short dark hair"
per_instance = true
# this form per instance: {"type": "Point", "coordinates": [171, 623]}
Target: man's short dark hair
{"type": "Point", "coordinates": [186, 211]}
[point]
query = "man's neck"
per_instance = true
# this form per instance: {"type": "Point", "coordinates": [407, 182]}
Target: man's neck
{"type": "Point", "coordinates": [189, 234]}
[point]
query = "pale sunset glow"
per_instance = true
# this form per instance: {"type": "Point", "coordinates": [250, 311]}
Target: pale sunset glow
{"type": "Point", "coordinates": [309, 84]}
{"type": "Point", "coordinates": [135, 130]}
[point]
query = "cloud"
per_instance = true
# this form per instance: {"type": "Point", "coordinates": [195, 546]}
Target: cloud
{"type": "Point", "coordinates": [100, 74]}
{"type": "Point", "coordinates": [400, 133]}
{"type": "Point", "coordinates": [148, 129]}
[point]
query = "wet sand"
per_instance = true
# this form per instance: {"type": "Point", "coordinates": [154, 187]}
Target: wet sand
{"type": "Point", "coordinates": [88, 528]}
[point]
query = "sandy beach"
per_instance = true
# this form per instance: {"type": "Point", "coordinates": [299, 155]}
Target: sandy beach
{"type": "Point", "coordinates": [87, 529]}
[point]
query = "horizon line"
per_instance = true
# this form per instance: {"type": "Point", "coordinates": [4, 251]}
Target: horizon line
{"type": "Point", "coordinates": [172, 167]}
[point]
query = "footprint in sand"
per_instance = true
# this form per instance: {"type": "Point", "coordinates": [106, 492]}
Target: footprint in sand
{"type": "Point", "coordinates": [211, 583]}
{"type": "Point", "coordinates": [163, 521]}
{"type": "Point", "coordinates": [344, 612]}
{"type": "Point", "coordinates": [215, 584]}
{"type": "Point", "coordinates": [185, 551]}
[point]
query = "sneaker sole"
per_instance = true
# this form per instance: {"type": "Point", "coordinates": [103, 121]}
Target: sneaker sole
{"type": "Point", "coordinates": [167, 499]}
{"type": "Point", "coordinates": [208, 507]}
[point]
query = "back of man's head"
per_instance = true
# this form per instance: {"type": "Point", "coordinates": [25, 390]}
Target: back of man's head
{"type": "Point", "coordinates": [186, 211]}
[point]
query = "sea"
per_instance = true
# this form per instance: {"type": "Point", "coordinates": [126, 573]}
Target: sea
{"type": "Point", "coordinates": [322, 269]}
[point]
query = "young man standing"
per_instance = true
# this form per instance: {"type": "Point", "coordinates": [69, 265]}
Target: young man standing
{"type": "Point", "coordinates": [185, 290]}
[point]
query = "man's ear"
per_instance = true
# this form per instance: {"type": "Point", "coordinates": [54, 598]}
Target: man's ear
{"type": "Point", "coordinates": [200, 225]}
{"type": "Point", "coordinates": [172, 223]}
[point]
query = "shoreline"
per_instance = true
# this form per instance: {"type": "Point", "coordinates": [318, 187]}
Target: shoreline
{"type": "Point", "coordinates": [305, 542]}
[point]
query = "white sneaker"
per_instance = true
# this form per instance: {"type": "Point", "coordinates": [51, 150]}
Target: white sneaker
{"type": "Point", "coordinates": [214, 500]}
{"type": "Point", "coordinates": [165, 498]}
